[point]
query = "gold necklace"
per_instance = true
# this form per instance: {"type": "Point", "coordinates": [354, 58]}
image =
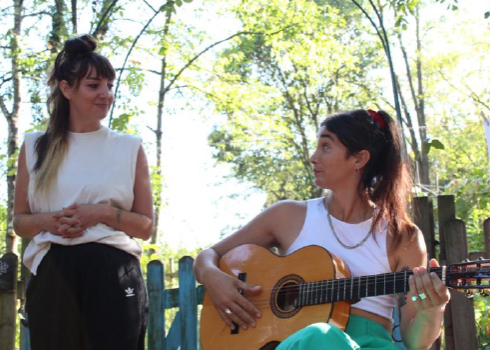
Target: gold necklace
{"type": "Point", "coordinates": [338, 239]}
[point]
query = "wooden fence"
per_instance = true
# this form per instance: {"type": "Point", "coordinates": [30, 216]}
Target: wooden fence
{"type": "Point", "coordinates": [183, 333]}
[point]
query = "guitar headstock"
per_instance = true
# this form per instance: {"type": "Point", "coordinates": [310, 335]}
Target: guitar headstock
{"type": "Point", "coordinates": [470, 276]}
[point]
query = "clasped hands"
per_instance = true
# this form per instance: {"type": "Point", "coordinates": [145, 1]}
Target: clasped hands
{"type": "Point", "coordinates": [72, 221]}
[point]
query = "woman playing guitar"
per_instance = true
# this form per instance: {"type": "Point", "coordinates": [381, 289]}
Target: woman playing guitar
{"type": "Point", "coordinates": [363, 220]}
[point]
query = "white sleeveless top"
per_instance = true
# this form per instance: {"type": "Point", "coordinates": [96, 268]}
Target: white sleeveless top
{"type": "Point", "coordinates": [99, 167]}
{"type": "Point", "coordinates": [370, 258]}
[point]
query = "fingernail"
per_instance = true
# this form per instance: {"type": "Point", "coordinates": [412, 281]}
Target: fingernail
{"type": "Point", "coordinates": [244, 326]}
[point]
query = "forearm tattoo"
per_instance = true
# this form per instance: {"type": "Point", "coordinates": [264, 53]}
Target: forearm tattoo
{"type": "Point", "coordinates": [118, 215]}
{"type": "Point", "coordinates": [402, 297]}
{"type": "Point", "coordinates": [402, 300]}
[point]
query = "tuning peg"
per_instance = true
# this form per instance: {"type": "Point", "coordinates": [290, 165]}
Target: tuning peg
{"type": "Point", "coordinates": [484, 293]}
{"type": "Point", "coordinates": [481, 258]}
{"type": "Point", "coordinates": [468, 294]}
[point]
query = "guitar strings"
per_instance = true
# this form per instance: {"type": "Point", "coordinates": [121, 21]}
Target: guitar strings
{"type": "Point", "coordinates": [368, 284]}
{"type": "Point", "coordinates": [322, 287]}
{"type": "Point", "coordinates": [368, 280]}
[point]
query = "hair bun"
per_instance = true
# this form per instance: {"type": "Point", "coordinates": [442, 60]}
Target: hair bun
{"type": "Point", "coordinates": [79, 45]}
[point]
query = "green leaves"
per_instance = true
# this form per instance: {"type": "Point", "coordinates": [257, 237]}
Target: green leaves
{"type": "Point", "coordinates": [452, 4]}
{"type": "Point", "coordinates": [169, 6]}
{"type": "Point", "coordinates": [276, 86]}
{"type": "Point", "coordinates": [157, 184]}
{"type": "Point", "coordinates": [432, 143]}
{"type": "Point", "coordinates": [120, 123]}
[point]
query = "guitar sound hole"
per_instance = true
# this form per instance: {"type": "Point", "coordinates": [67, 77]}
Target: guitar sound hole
{"type": "Point", "coordinates": [284, 294]}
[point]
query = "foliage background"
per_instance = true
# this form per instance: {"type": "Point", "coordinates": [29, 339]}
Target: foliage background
{"type": "Point", "coordinates": [258, 96]}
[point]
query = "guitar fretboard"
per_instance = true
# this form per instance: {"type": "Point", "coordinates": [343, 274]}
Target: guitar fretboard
{"type": "Point", "coordinates": [328, 291]}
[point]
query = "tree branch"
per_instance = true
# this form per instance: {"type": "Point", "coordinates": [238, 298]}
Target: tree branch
{"type": "Point", "coordinates": [386, 46]}
{"type": "Point", "coordinates": [126, 60]}
{"type": "Point", "coordinates": [190, 62]}
{"type": "Point", "coordinates": [37, 14]}
{"type": "Point", "coordinates": [4, 108]}
{"type": "Point", "coordinates": [103, 18]}
{"type": "Point", "coordinates": [149, 5]}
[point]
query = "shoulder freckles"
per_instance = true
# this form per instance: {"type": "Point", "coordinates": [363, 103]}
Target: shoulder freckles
{"type": "Point", "coordinates": [419, 239]}
{"type": "Point", "coordinates": [412, 252]}
{"type": "Point", "coordinates": [412, 237]}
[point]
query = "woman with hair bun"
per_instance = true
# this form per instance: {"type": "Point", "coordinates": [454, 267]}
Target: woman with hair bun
{"type": "Point", "coordinates": [82, 195]}
{"type": "Point", "coordinates": [363, 220]}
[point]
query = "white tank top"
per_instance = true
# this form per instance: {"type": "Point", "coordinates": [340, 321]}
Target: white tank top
{"type": "Point", "coordinates": [99, 167]}
{"type": "Point", "coordinates": [370, 258]}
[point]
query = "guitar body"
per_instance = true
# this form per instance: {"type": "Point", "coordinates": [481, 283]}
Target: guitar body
{"type": "Point", "coordinates": [278, 276]}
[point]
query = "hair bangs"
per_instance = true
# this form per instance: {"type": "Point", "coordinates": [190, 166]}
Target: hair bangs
{"type": "Point", "coordinates": [103, 68]}
{"type": "Point", "coordinates": [93, 64]}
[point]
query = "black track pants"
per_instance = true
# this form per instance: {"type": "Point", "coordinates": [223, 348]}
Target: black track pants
{"type": "Point", "coordinates": [87, 297]}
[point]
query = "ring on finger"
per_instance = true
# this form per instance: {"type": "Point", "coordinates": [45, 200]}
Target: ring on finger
{"type": "Point", "coordinates": [414, 298]}
{"type": "Point", "coordinates": [228, 311]}
{"type": "Point", "coordinates": [422, 296]}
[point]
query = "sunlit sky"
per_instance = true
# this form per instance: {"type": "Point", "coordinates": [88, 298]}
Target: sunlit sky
{"type": "Point", "coordinates": [201, 201]}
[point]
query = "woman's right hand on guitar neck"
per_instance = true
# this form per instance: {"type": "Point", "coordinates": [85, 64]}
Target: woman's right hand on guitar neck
{"type": "Point", "coordinates": [226, 291]}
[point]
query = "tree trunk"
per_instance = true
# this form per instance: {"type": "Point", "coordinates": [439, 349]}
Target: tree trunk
{"type": "Point", "coordinates": [417, 93]}
{"type": "Point", "coordinates": [59, 32]}
{"type": "Point", "coordinates": [74, 16]}
{"type": "Point", "coordinates": [424, 161]}
{"type": "Point", "coordinates": [12, 120]}
{"type": "Point", "coordinates": [158, 132]}
{"type": "Point", "coordinates": [104, 19]}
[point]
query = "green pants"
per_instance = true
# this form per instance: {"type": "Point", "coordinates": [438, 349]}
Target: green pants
{"type": "Point", "coordinates": [361, 333]}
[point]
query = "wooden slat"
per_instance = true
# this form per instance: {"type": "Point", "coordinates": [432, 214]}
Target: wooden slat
{"type": "Point", "coordinates": [172, 297]}
{"type": "Point", "coordinates": [486, 233]}
{"type": "Point", "coordinates": [462, 313]}
{"type": "Point", "coordinates": [8, 301]}
{"type": "Point", "coordinates": [156, 317]}
{"type": "Point", "coordinates": [188, 304]}
{"type": "Point", "coordinates": [423, 214]}
{"type": "Point", "coordinates": [173, 339]}
{"type": "Point", "coordinates": [447, 211]}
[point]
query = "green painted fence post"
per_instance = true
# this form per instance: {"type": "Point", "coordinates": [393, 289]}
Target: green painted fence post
{"type": "Point", "coordinates": [156, 317]}
{"type": "Point", "coordinates": [188, 304]}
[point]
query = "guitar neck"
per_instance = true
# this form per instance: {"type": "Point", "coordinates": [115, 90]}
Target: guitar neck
{"type": "Point", "coordinates": [328, 291]}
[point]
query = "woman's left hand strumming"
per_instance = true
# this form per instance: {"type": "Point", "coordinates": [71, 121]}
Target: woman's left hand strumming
{"type": "Point", "coordinates": [427, 291]}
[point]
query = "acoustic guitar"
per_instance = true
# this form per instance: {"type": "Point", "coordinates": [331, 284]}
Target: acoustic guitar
{"type": "Point", "coordinates": [311, 285]}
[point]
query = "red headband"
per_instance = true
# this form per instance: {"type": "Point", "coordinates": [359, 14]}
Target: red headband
{"type": "Point", "coordinates": [377, 118]}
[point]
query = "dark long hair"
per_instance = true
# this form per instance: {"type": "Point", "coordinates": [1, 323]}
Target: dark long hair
{"type": "Point", "coordinates": [72, 64]}
{"type": "Point", "coordinates": [386, 177]}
